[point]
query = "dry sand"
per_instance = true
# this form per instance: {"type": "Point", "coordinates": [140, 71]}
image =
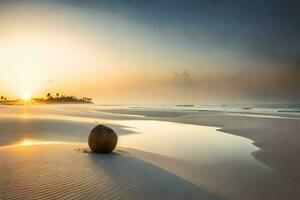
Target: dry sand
{"type": "Point", "coordinates": [61, 171]}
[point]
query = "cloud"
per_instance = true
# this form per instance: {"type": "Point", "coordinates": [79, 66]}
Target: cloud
{"type": "Point", "coordinates": [183, 79]}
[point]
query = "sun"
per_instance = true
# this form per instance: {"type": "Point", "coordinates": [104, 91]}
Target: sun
{"type": "Point", "coordinates": [26, 143]}
{"type": "Point", "coordinates": [26, 96]}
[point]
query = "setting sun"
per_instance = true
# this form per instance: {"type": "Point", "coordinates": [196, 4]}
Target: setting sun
{"type": "Point", "coordinates": [26, 97]}
{"type": "Point", "coordinates": [26, 143]}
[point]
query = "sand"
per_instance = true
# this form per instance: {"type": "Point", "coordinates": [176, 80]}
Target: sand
{"type": "Point", "coordinates": [64, 171]}
{"type": "Point", "coordinates": [276, 137]}
{"type": "Point", "coordinates": [185, 155]}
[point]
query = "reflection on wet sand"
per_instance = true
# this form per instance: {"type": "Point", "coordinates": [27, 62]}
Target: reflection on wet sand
{"type": "Point", "coordinates": [188, 142]}
{"type": "Point", "coordinates": [25, 143]}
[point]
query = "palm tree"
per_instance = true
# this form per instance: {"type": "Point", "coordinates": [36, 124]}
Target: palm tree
{"type": "Point", "coordinates": [2, 97]}
{"type": "Point", "coordinates": [57, 95]}
{"type": "Point", "coordinates": [49, 95]}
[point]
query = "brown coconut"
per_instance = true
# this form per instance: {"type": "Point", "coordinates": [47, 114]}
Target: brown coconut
{"type": "Point", "coordinates": [102, 139]}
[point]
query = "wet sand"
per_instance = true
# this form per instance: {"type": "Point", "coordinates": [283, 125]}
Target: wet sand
{"type": "Point", "coordinates": [276, 137]}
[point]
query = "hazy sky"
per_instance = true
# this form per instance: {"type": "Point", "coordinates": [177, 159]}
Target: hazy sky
{"type": "Point", "coordinates": [154, 51]}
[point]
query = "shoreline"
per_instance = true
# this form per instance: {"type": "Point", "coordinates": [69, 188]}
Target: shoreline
{"type": "Point", "coordinates": [277, 138]}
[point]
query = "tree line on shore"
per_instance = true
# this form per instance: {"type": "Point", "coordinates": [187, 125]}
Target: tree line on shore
{"type": "Point", "coordinates": [3, 98]}
{"type": "Point", "coordinates": [55, 99]}
{"type": "Point", "coordinates": [64, 98]}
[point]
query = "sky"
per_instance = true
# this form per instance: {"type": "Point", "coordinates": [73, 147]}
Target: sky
{"type": "Point", "coordinates": [152, 52]}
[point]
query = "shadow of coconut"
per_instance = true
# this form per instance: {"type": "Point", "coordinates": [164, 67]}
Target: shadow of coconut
{"type": "Point", "coordinates": [131, 178]}
{"type": "Point", "coordinates": [62, 171]}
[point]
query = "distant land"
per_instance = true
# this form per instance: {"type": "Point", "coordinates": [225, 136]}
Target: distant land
{"type": "Point", "coordinates": [49, 99]}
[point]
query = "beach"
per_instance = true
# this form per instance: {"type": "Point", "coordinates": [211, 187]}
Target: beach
{"type": "Point", "coordinates": [163, 153]}
{"type": "Point", "coordinates": [137, 100]}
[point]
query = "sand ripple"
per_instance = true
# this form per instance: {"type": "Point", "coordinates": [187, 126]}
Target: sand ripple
{"type": "Point", "coordinates": [56, 171]}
